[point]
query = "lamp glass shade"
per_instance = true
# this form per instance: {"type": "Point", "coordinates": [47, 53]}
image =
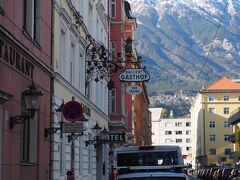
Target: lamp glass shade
{"type": "Point", "coordinates": [32, 98]}
{"type": "Point", "coordinates": [96, 130]}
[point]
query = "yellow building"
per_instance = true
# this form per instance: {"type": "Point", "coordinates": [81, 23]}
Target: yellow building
{"type": "Point", "coordinates": [209, 114]}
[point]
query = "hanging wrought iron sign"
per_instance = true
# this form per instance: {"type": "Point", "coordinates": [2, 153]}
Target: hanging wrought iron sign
{"type": "Point", "coordinates": [134, 75]}
{"type": "Point", "coordinates": [134, 90]}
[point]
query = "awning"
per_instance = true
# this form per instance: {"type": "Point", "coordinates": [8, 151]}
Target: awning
{"type": "Point", "coordinates": [234, 119]}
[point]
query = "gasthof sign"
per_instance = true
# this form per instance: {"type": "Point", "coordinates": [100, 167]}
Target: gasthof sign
{"type": "Point", "coordinates": [72, 127]}
{"type": "Point", "coordinates": [134, 75]}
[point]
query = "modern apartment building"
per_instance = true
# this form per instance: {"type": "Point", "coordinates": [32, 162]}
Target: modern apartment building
{"type": "Point", "coordinates": [209, 116]}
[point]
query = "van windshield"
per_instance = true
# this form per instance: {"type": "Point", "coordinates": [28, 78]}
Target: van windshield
{"type": "Point", "coordinates": [163, 158]}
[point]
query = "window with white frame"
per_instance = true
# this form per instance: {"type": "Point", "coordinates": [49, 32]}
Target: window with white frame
{"type": "Point", "coordinates": [226, 124]}
{"type": "Point", "coordinates": [211, 98]}
{"type": "Point", "coordinates": [81, 7]}
{"type": "Point", "coordinates": [212, 151]}
{"type": "Point", "coordinates": [178, 124]}
{"type": "Point", "coordinates": [212, 124]}
{"type": "Point", "coordinates": [113, 50]}
{"type": "Point", "coordinates": [188, 140]}
{"type": "Point", "coordinates": [168, 132]}
{"type": "Point", "coordinates": [90, 18]}
{"type": "Point", "coordinates": [211, 111]}
{"type": "Point", "coordinates": [31, 19]}
{"type": "Point", "coordinates": [188, 148]}
{"type": "Point", "coordinates": [113, 8]}
{"type": "Point", "coordinates": [81, 73]}
{"type": "Point", "coordinates": [113, 100]}
{"type": "Point", "coordinates": [188, 124]}
{"type": "Point", "coordinates": [212, 137]}
{"type": "Point", "coordinates": [225, 110]}
{"type": "Point", "coordinates": [226, 138]}
{"type": "Point", "coordinates": [63, 53]}
{"type": "Point", "coordinates": [178, 140]}
{"type": "Point", "coordinates": [226, 98]}
{"type": "Point", "coordinates": [168, 140]}
{"type": "Point", "coordinates": [188, 132]}
{"type": "Point", "coordinates": [73, 64]}
{"type": "Point", "coordinates": [178, 132]}
{"type": "Point", "coordinates": [168, 124]}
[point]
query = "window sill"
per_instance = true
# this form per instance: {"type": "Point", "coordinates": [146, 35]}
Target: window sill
{"type": "Point", "coordinates": [2, 11]}
{"type": "Point", "coordinates": [27, 164]}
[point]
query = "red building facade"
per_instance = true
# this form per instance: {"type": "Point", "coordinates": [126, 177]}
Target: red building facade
{"type": "Point", "coordinates": [25, 60]}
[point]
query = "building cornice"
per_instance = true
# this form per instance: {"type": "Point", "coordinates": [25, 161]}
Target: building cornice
{"type": "Point", "coordinates": [37, 61]}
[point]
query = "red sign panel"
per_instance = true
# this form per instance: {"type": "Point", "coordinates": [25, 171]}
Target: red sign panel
{"type": "Point", "coordinates": [72, 111]}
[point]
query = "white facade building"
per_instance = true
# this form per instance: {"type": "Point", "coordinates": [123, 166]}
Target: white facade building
{"type": "Point", "coordinates": [74, 21]}
{"type": "Point", "coordinates": [172, 132]}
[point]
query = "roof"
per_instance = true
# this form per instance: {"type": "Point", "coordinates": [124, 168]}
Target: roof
{"type": "Point", "coordinates": [156, 113]}
{"type": "Point", "coordinates": [223, 84]}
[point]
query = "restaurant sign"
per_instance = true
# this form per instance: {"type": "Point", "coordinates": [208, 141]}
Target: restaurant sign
{"type": "Point", "coordinates": [134, 75]}
{"type": "Point", "coordinates": [134, 90]}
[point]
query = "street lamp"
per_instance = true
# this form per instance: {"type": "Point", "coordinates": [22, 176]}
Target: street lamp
{"type": "Point", "coordinates": [100, 136]}
{"type": "Point", "coordinates": [30, 104]}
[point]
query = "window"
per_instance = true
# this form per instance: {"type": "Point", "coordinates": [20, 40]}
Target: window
{"type": "Point", "coordinates": [226, 98]}
{"type": "Point", "coordinates": [188, 148]}
{"type": "Point", "coordinates": [28, 138]}
{"type": "Point", "coordinates": [81, 74]}
{"type": "Point", "coordinates": [212, 124]}
{"type": "Point", "coordinates": [178, 124]}
{"type": "Point", "coordinates": [168, 140]}
{"type": "Point", "coordinates": [211, 111]}
{"type": "Point", "coordinates": [178, 132]}
{"type": "Point", "coordinates": [211, 98]}
{"type": "Point", "coordinates": [113, 46]}
{"type": "Point", "coordinates": [188, 132]}
{"type": "Point", "coordinates": [31, 19]}
{"type": "Point", "coordinates": [81, 7]}
{"type": "Point", "coordinates": [113, 8]}
{"type": "Point", "coordinates": [225, 110]}
{"type": "Point", "coordinates": [227, 151]}
{"type": "Point", "coordinates": [226, 124]}
{"type": "Point", "coordinates": [188, 140]}
{"type": "Point", "coordinates": [178, 140]}
{"type": "Point", "coordinates": [212, 151]}
{"type": "Point", "coordinates": [188, 124]}
{"type": "Point", "coordinates": [168, 132]}
{"type": "Point", "coordinates": [73, 64]}
{"type": "Point", "coordinates": [1, 7]}
{"type": "Point", "coordinates": [226, 138]}
{"type": "Point", "coordinates": [113, 100]}
{"type": "Point", "coordinates": [238, 98]}
{"type": "Point", "coordinates": [63, 54]}
{"type": "Point", "coordinates": [212, 137]}
{"type": "Point", "coordinates": [90, 19]}
{"type": "Point", "coordinates": [168, 124]}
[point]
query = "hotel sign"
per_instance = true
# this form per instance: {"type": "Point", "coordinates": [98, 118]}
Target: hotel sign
{"type": "Point", "coordinates": [134, 75]}
{"type": "Point", "coordinates": [11, 56]}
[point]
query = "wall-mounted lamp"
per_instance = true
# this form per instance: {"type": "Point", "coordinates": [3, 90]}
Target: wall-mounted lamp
{"type": "Point", "coordinates": [30, 104]}
{"type": "Point", "coordinates": [101, 136]}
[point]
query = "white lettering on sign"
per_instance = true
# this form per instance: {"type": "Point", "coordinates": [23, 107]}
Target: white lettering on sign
{"type": "Point", "coordinates": [72, 128]}
{"type": "Point", "coordinates": [134, 75]}
{"type": "Point", "coordinates": [134, 90]}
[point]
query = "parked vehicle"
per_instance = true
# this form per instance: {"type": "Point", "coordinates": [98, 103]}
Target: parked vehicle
{"type": "Point", "coordinates": [211, 173]}
{"type": "Point", "coordinates": [218, 174]}
{"type": "Point", "coordinates": [154, 176]}
{"type": "Point", "coordinates": [226, 173]}
{"type": "Point", "coordinates": [234, 173]}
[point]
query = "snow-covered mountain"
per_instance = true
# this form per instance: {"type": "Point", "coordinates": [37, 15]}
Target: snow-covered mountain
{"type": "Point", "coordinates": [186, 44]}
{"type": "Point", "coordinates": [189, 42]}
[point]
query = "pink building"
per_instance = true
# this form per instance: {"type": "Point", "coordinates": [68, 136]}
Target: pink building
{"type": "Point", "coordinates": [25, 59]}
